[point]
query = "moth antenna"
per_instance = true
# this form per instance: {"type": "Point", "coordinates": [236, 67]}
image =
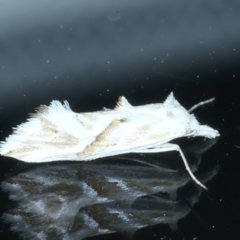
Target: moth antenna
{"type": "Point", "coordinates": [200, 104]}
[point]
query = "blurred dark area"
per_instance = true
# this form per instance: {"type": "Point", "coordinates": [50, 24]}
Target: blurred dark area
{"type": "Point", "coordinates": [92, 52]}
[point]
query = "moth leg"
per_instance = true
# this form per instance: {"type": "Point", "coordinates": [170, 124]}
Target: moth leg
{"type": "Point", "coordinates": [172, 147]}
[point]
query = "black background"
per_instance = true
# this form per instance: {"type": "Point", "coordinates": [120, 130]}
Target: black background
{"type": "Point", "coordinates": [75, 51]}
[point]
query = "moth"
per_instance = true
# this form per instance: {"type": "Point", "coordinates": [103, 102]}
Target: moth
{"type": "Point", "coordinates": [56, 133]}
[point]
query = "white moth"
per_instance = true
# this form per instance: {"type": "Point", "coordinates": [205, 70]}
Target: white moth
{"type": "Point", "coordinates": [56, 133]}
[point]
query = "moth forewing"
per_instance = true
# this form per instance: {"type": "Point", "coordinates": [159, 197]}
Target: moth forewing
{"type": "Point", "coordinates": [55, 132]}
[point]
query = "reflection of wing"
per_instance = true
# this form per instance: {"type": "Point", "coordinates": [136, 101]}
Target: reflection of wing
{"type": "Point", "coordinates": [78, 200]}
{"type": "Point", "coordinates": [58, 133]}
{"type": "Point", "coordinates": [73, 201]}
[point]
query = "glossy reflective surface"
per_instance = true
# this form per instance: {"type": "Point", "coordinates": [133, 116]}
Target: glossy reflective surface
{"type": "Point", "coordinates": [122, 194]}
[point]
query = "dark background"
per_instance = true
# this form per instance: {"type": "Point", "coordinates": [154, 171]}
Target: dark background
{"type": "Point", "coordinates": [91, 52]}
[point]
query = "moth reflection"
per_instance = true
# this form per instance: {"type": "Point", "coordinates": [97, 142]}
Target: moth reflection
{"type": "Point", "coordinates": [79, 200]}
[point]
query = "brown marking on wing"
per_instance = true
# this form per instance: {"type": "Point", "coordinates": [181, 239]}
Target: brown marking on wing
{"type": "Point", "coordinates": [86, 124]}
{"type": "Point", "coordinates": [47, 129]}
{"type": "Point", "coordinates": [21, 151]}
{"type": "Point", "coordinates": [122, 103]}
{"type": "Point", "coordinates": [41, 110]}
{"type": "Point", "coordinates": [144, 128]}
{"type": "Point", "coordinates": [48, 126]}
{"type": "Point", "coordinates": [64, 141]}
{"type": "Point", "coordinates": [28, 147]}
{"type": "Point", "coordinates": [122, 120]}
{"type": "Point", "coordinates": [97, 143]}
{"type": "Point", "coordinates": [159, 136]}
{"type": "Point", "coordinates": [119, 103]}
{"type": "Point", "coordinates": [60, 139]}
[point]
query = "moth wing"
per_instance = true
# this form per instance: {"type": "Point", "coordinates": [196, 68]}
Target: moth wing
{"type": "Point", "coordinates": [126, 132]}
{"type": "Point", "coordinates": [57, 133]}
{"type": "Point", "coordinates": [52, 133]}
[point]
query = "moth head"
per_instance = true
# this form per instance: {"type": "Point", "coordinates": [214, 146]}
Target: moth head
{"type": "Point", "coordinates": [198, 130]}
